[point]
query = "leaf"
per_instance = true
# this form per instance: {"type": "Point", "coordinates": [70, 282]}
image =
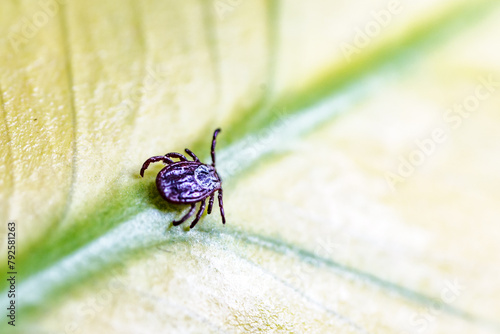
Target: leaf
{"type": "Point", "coordinates": [324, 233]}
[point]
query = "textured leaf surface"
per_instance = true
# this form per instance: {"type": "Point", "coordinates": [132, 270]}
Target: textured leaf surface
{"type": "Point", "coordinates": [324, 234]}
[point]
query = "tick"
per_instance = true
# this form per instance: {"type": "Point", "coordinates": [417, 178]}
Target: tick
{"type": "Point", "coordinates": [188, 182]}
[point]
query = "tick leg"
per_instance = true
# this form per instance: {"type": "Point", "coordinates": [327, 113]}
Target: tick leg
{"type": "Point", "coordinates": [221, 207]}
{"type": "Point", "coordinates": [211, 203]}
{"type": "Point", "coordinates": [216, 132]}
{"type": "Point", "coordinates": [186, 216]}
{"type": "Point", "coordinates": [176, 155]}
{"type": "Point", "coordinates": [198, 215]}
{"type": "Point", "coordinates": [145, 166]}
{"type": "Point", "coordinates": [195, 158]}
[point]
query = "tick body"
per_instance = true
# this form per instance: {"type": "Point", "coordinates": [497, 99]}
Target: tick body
{"type": "Point", "coordinates": [188, 182]}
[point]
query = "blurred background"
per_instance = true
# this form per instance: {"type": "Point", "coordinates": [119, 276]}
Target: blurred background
{"type": "Point", "coordinates": [359, 153]}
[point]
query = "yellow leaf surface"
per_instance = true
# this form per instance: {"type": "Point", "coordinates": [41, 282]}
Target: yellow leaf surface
{"type": "Point", "coordinates": [359, 152]}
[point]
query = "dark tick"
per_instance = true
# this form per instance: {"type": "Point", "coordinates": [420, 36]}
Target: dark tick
{"type": "Point", "coordinates": [188, 182]}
